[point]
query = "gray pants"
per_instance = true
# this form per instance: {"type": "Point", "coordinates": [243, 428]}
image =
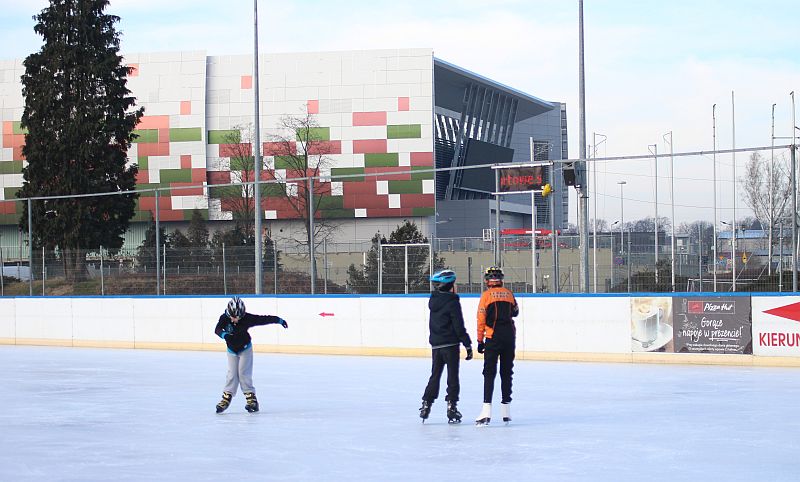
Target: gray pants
{"type": "Point", "coordinates": [240, 372]}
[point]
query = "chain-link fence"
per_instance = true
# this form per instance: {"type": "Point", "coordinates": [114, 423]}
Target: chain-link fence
{"type": "Point", "coordinates": [738, 237]}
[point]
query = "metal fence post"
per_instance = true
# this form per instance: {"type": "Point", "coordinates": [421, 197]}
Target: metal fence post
{"type": "Point", "coordinates": [44, 271]}
{"type": "Point", "coordinates": [224, 271]}
{"type": "Point", "coordinates": [158, 255]}
{"type": "Point", "coordinates": [30, 248]}
{"type": "Point", "coordinates": [102, 280]}
{"type": "Point", "coordinates": [2, 272]}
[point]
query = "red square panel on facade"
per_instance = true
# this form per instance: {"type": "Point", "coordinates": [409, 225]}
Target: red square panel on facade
{"type": "Point", "coordinates": [7, 207]}
{"type": "Point", "coordinates": [369, 146]}
{"type": "Point", "coordinates": [147, 203]}
{"type": "Point", "coordinates": [313, 106]}
{"type": "Point", "coordinates": [218, 177]}
{"type": "Point", "coordinates": [153, 122]}
{"type": "Point", "coordinates": [8, 129]}
{"type": "Point", "coordinates": [159, 149]}
{"type": "Point", "coordinates": [369, 118]}
{"type": "Point", "coordinates": [189, 189]}
{"type": "Point", "coordinates": [16, 154]}
{"type": "Point", "coordinates": [416, 200]}
{"type": "Point", "coordinates": [422, 159]}
{"type": "Point", "coordinates": [170, 215]}
{"type": "Point", "coordinates": [186, 161]}
{"type": "Point", "coordinates": [133, 70]}
{"type": "Point", "coordinates": [186, 107]}
{"type": "Point", "coordinates": [325, 147]}
{"type": "Point", "coordinates": [402, 103]}
{"type": "Point", "coordinates": [142, 177]}
{"type": "Point", "coordinates": [247, 81]}
{"type": "Point", "coordinates": [235, 150]}
{"type": "Point", "coordinates": [199, 175]}
{"type": "Point", "coordinates": [373, 201]}
{"type": "Point", "coordinates": [278, 148]}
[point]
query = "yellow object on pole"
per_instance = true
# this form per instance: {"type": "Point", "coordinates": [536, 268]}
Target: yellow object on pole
{"type": "Point", "coordinates": [547, 190]}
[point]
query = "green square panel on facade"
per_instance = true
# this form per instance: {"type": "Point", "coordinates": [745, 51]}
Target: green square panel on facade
{"type": "Point", "coordinates": [9, 218]}
{"type": "Point", "coordinates": [228, 136]}
{"type": "Point", "coordinates": [337, 213]}
{"type": "Point", "coordinates": [330, 202]}
{"type": "Point", "coordinates": [287, 162]}
{"type": "Point", "coordinates": [423, 211]}
{"type": "Point", "coordinates": [145, 136]}
{"type": "Point", "coordinates": [244, 163]}
{"type": "Point", "coordinates": [315, 133]}
{"type": "Point", "coordinates": [419, 176]}
{"type": "Point", "coordinates": [389, 159]}
{"type": "Point", "coordinates": [141, 216]}
{"type": "Point", "coordinates": [142, 162]}
{"type": "Point", "coordinates": [10, 167]}
{"type": "Point", "coordinates": [175, 175]}
{"type": "Point", "coordinates": [405, 187]}
{"type": "Point", "coordinates": [10, 192]}
{"type": "Point", "coordinates": [16, 128]}
{"type": "Point", "coordinates": [188, 213]}
{"type": "Point", "coordinates": [186, 134]}
{"type": "Point", "coordinates": [273, 189]}
{"type": "Point", "coordinates": [347, 171]}
{"type": "Point", "coordinates": [405, 131]}
{"type": "Point", "coordinates": [225, 192]}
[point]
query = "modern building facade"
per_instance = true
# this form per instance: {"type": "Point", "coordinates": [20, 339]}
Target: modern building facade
{"type": "Point", "coordinates": [383, 118]}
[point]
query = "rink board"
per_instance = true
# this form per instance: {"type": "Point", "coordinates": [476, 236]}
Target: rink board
{"type": "Point", "coordinates": [570, 327]}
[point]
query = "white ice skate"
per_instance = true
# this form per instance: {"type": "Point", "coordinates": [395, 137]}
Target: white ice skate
{"type": "Point", "coordinates": [505, 410]}
{"type": "Point", "coordinates": [485, 416]}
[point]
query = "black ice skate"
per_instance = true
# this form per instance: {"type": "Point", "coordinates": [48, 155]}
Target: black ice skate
{"type": "Point", "coordinates": [225, 402]}
{"type": "Point", "coordinates": [485, 416]}
{"type": "Point", "coordinates": [424, 410]}
{"type": "Point", "coordinates": [252, 402]}
{"type": "Point", "coordinates": [453, 415]}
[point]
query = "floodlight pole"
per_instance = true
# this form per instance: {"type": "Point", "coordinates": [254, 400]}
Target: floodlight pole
{"type": "Point", "coordinates": [257, 156]}
{"type": "Point", "coordinates": [714, 136]}
{"type": "Point", "coordinates": [583, 191]}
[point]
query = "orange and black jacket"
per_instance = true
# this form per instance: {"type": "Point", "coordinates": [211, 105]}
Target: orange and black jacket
{"type": "Point", "coordinates": [496, 308]}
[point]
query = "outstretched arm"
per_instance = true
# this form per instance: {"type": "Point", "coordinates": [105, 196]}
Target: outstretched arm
{"type": "Point", "coordinates": [257, 320]}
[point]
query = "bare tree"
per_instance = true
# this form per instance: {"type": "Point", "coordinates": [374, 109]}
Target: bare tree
{"type": "Point", "coordinates": [648, 224]}
{"type": "Point", "coordinates": [239, 199]}
{"type": "Point", "coordinates": [768, 199]}
{"type": "Point", "coordinates": [602, 225]}
{"type": "Point", "coordinates": [301, 149]}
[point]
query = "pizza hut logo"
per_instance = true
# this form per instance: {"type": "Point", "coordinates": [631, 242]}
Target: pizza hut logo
{"type": "Point", "coordinates": [703, 307]}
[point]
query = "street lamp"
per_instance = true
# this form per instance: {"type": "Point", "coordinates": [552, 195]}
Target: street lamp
{"type": "Point", "coordinates": [733, 247]}
{"type": "Point", "coordinates": [714, 135]}
{"type": "Point", "coordinates": [621, 213]}
{"type": "Point", "coordinates": [654, 152]}
{"type": "Point", "coordinates": [672, 203]}
{"type": "Point", "coordinates": [594, 189]}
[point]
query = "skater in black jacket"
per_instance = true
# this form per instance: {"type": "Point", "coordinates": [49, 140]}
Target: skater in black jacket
{"type": "Point", "coordinates": [446, 333]}
{"type": "Point", "coordinates": [232, 327]}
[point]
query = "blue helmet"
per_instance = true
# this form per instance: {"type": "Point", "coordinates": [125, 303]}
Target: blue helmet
{"type": "Point", "coordinates": [442, 280]}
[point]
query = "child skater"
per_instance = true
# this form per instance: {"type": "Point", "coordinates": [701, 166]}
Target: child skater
{"type": "Point", "coordinates": [496, 340]}
{"type": "Point", "coordinates": [447, 332]}
{"type": "Point", "coordinates": [232, 327]}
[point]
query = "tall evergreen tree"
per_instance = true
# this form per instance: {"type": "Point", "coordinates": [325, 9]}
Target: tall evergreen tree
{"type": "Point", "coordinates": [80, 118]}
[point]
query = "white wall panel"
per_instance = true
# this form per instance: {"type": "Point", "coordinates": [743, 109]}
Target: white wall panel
{"type": "Point", "coordinates": [103, 319]}
{"type": "Point", "coordinates": [8, 318]}
{"type": "Point", "coordinates": [595, 325]}
{"type": "Point", "coordinates": [394, 322]}
{"type": "Point", "coordinates": [167, 320]}
{"type": "Point", "coordinates": [308, 327]}
{"type": "Point", "coordinates": [44, 318]}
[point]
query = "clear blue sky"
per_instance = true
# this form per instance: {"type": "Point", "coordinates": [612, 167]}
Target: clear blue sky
{"type": "Point", "coordinates": [651, 66]}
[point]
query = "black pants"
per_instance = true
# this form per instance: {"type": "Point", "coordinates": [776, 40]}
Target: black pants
{"type": "Point", "coordinates": [501, 348]}
{"type": "Point", "coordinates": [440, 357]}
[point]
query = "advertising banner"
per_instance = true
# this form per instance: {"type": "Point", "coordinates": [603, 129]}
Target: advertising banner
{"type": "Point", "coordinates": [776, 325]}
{"type": "Point", "coordinates": [714, 324]}
{"type": "Point", "coordinates": [651, 323]}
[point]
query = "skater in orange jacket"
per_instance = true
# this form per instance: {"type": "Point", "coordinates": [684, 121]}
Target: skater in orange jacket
{"type": "Point", "coordinates": [496, 340]}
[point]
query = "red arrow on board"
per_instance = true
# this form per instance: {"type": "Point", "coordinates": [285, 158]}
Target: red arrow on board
{"type": "Point", "coordinates": [790, 312]}
{"type": "Point", "coordinates": [323, 314]}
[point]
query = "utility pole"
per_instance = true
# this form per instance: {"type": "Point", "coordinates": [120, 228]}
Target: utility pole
{"type": "Point", "coordinates": [257, 156]}
{"type": "Point", "coordinates": [583, 191]}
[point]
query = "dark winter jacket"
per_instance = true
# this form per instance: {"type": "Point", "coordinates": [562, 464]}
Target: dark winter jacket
{"type": "Point", "coordinates": [446, 321]}
{"type": "Point", "coordinates": [235, 334]}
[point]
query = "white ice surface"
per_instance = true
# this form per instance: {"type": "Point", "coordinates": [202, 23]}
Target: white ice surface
{"type": "Point", "coordinates": [90, 414]}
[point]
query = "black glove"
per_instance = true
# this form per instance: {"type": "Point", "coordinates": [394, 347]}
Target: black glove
{"type": "Point", "coordinates": [481, 347]}
{"type": "Point", "coordinates": [282, 322]}
{"type": "Point", "coordinates": [469, 353]}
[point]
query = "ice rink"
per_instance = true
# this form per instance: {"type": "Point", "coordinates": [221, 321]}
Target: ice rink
{"type": "Point", "coordinates": [95, 414]}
